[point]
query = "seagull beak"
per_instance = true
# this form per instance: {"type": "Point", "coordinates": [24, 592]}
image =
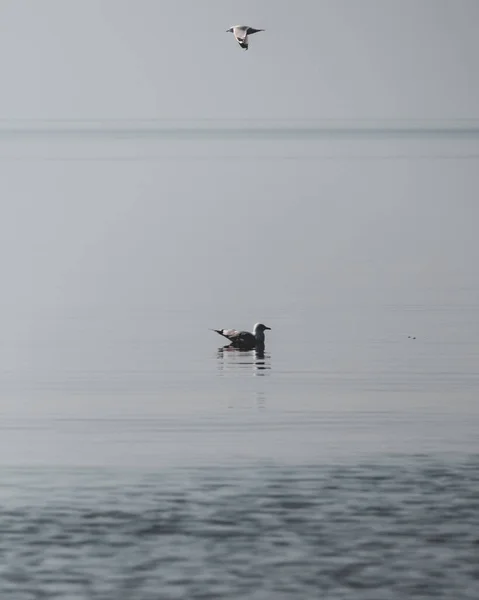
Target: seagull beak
{"type": "Point", "coordinates": [268, 328]}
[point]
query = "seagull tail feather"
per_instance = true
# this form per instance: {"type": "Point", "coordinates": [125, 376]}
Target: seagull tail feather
{"type": "Point", "coordinates": [220, 331]}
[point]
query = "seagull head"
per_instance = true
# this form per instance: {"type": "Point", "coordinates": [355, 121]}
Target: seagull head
{"type": "Point", "coordinates": [260, 327]}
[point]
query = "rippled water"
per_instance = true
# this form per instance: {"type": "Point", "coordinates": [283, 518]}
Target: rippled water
{"type": "Point", "coordinates": [140, 458]}
{"type": "Point", "coordinates": [403, 528]}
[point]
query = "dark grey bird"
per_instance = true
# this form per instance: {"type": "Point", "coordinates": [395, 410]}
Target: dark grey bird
{"type": "Point", "coordinates": [241, 33]}
{"type": "Point", "coordinates": [244, 339]}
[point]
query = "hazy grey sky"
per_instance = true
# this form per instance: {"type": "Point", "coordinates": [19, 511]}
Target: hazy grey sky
{"type": "Point", "coordinates": [172, 58]}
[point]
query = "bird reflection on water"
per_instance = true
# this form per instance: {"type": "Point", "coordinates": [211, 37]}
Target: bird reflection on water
{"type": "Point", "coordinates": [235, 359]}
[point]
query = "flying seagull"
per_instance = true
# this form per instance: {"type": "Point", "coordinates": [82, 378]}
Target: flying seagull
{"type": "Point", "coordinates": [244, 339]}
{"type": "Point", "coordinates": [241, 33]}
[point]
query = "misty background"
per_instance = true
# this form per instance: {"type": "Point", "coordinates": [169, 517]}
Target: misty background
{"type": "Point", "coordinates": [172, 59]}
{"type": "Point", "coordinates": [120, 249]}
{"type": "Point", "coordinates": [156, 181]}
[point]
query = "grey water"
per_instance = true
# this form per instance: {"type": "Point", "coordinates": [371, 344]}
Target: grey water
{"type": "Point", "coordinates": [140, 458]}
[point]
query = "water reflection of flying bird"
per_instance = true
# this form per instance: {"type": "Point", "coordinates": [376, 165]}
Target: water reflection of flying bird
{"type": "Point", "coordinates": [245, 339]}
{"type": "Point", "coordinates": [241, 33]}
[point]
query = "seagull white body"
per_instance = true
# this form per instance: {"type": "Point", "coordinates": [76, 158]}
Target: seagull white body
{"type": "Point", "coordinates": [245, 339]}
{"type": "Point", "coordinates": [241, 33]}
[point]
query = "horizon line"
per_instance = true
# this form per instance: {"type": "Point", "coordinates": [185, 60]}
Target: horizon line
{"type": "Point", "coordinates": [314, 127]}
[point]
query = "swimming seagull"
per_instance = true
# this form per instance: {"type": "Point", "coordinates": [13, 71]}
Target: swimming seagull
{"type": "Point", "coordinates": [245, 339]}
{"type": "Point", "coordinates": [241, 33]}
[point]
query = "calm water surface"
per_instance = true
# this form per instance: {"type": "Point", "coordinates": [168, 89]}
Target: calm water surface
{"type": "Point", "coordinates": [140, 458]}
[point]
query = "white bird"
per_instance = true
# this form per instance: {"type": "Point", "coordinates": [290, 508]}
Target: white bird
{"type": "Point", "coordinates": [241, 33]}
{"type": "Point", "coordinates": [245, 339]}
